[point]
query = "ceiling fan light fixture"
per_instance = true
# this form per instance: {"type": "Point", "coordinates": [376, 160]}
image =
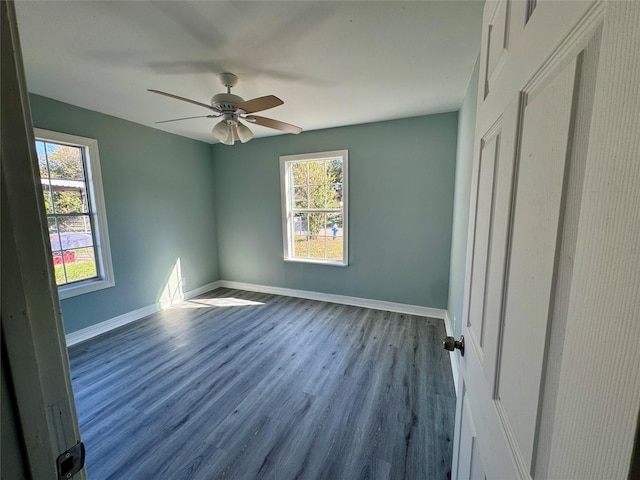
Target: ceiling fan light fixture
{"type": "Point", "coordinates": [222, 130]}
{"type": "Point", "coordinates": [244, 133]}
{"type": "Point", "coordinates": [229, 140]}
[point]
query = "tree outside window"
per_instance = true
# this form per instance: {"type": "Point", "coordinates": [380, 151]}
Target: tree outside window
{"type": "Point", "coordinates": [314, 207]}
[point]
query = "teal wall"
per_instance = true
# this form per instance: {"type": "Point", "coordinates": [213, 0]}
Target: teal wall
{"type": "Point", "coordinates": [159, 195]}
{"type": "Point", "coordinates": [218, 209]}
{"type": "Point", "coordinates": [401, 176]}
{"type": "Point", "coordinates": [464, 160]}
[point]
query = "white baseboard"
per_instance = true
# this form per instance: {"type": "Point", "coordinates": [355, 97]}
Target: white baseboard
{"type": "Point", "coordinates": [103, 327]}
{"type": "Point", "coordinates": [203, 289]}
{"type": "Point", "coordinates": [341, 299]}
{"type": "Point", "coordinates": [115, 322]}
{"type": "Point", "coordinates": [453, 356]}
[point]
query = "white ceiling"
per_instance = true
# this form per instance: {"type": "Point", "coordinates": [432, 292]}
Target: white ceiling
{"type": "Point", "coordinates": [333, 63]}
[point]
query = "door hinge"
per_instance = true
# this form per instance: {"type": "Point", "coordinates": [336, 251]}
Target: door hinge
{"type": "Point", "coordinates": [70, 462]}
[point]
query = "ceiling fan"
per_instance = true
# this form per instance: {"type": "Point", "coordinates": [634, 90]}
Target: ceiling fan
{"type": "Point", "coordinates": [232, 108]}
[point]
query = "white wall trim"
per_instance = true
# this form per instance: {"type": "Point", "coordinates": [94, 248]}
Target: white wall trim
{"type": "Point", "coordinates": [115, 322]}
{"type": "Point", "coordinates": [103, 327]}
{"type": "Point", "coordinates": [452, 355]}
{"type": "Point", "coordinates": [203, 289]}
{"type": "Point", "coordinates": [341, 299]}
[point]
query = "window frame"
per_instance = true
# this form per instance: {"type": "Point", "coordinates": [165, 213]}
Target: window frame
{"type": "Point", "coordinates": [287, 210]}
{"type": "Point", "coordinates": [98, 212]}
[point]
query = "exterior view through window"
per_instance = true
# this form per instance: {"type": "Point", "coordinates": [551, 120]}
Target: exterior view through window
{"type": "Point", "coordinates": [71, 185]}
{"type": "Point", "coordinates": [314, 207]}
{"type": "Point", "coordinates": [62, 173]}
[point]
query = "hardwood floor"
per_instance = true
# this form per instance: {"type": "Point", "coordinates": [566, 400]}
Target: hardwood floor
{"type": "Point", "coordinates": [241, 385]}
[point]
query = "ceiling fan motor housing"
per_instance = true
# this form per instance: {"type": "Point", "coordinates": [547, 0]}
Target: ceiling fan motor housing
{"type": "Point", "coordinates": [230, 118]}
{"type": "Point", "coordinates": [226, 102]}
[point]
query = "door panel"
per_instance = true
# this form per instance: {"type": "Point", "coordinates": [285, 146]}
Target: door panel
{"type": "Point", "coordinates": [470, 460]}
{"type": "Point", "coordinates": [496, 41]}
{"type": "Point", "coordinates": [490, 150]}
{"type": "Point", "coordinates": [587, 66]}
{"type": "Point", "coordinates": [537, 203]}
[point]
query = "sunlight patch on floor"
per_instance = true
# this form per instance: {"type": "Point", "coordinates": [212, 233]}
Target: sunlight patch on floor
{"type": "Point", "coordinates": [216, 302]}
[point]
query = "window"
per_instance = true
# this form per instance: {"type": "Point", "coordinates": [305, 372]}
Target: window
{"type": "Point", "coordinates": [314, 207]}
{"type": "Point", "coordinates": [74, 204]}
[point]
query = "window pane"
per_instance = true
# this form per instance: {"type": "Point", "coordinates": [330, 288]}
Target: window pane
{"type": "Point", "coordinates": [299, 173]}
{"type": "Point", "coordinates": [334, 225]}
{"type": "Point", "coordinates": [46, 193]}
{"type": "Point", "coordinates": [335, 243]}
{"type": "Point", "coordinates": [316, 172]}
{"type": "Point", "coordinates": [300, 224]}
{"type": "Point", "coordinates": [334, 171]}
{"type": "Point", "coordinates": [74, 256]}
{"type": "Point", "coordinates": [66, 224]}
{"type": "Point", "coordinates": [335, 197]}
{"type": "Point", "coordinates": [65, 162]}
{"type": "Point", "coordinates": [69, 200]}
{"type": "Point", "coordinates": [53, 233]}
{"type": "Point", "coordinates": [57, 252]}
{"type": "Point", "coordinates": [334, 249]}
{"type": "Point", "coordinates": [300, 246]}
{"type": "Point", "coordinates": [317, 246]}
{"type": "Point", "coordinates": [79, 264]}
{"type": "Point", "coordinates": [58, 268]}
{"type": "Point", "coordinates": [42, 159]}
{"type": "Point", "coordinates": [318, 195]}
{"type": "Point", "coordinates": [324, 231]}
{"type": "Point", "coordinates": [316, 223]}
{"type": "Point", "coordinates": [300, 199]}
{"type": "Point", "coordinates": [318, 243]}
{"type": "Point", "coordinates": [75, 232]}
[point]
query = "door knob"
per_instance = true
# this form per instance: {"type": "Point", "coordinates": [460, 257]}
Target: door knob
{"type": "Point", "coordinates": [450, 343]}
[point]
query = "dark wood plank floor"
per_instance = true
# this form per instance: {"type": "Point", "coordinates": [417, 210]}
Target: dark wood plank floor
{"type": "Point", "coordinates": [241, 385]}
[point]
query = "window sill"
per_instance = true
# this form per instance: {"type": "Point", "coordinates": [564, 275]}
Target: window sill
{"type": "Point", "coordinates": [336, 263]}
{"type": "Point", "coordinates": [86, 286]}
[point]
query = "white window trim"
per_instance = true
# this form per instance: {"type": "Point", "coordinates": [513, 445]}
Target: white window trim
{"type": "Point", "coordinates": [286, 207]}
{"type": "Point", "coordinates": [99, 213]}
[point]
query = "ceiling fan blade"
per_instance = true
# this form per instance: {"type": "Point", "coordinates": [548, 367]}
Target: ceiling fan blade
{"type": "Point", "coordinates": [259, 104]}
{"type": "Point", "coordinates": [171, 95]}
{"type": "Point", "coordinates": [188, 118]}
{"type": "Point", "coordinates": [235, 132]}
{"type": "Point", "coordinates": [271, 123]}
